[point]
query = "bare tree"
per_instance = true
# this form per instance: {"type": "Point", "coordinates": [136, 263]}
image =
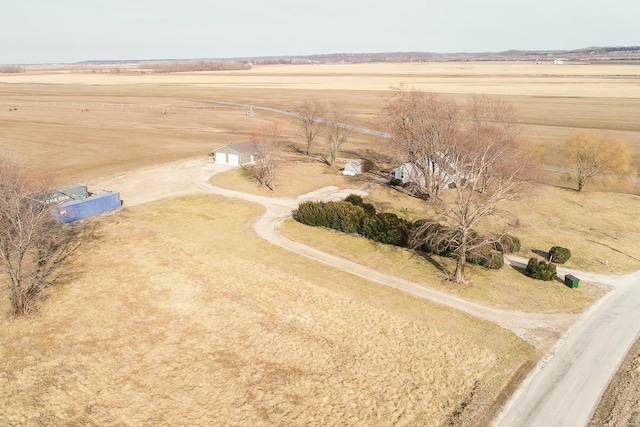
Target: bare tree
{"type": "Point", "coordinates": [310, 116]}
{"type": "Point", "coordinates": [592, 154]}
{"type": "Point", "coordinates": [32, 245]}
{"type": "Point", "coordinates": [337, 129]}
{"type": "Point", "coordinates": [422, 128]}
{"type": "Point", "coordinates": [470, 151]}
{"type": "Point", "coordinates": [269, 141]}
{"type": "Point", "coordinates": [472, 199]}
{"type": "Point", "coordinates": [496, 122]}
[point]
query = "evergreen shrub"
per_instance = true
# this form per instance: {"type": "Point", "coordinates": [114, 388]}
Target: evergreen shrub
{"type": "Point", "coordinates": [541, 270]}
{"type": "Point", "coordinates": [559, 255]}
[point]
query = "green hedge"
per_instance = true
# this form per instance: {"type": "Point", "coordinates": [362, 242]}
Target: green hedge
{"type": "Point", "coordinates": [486, 257]}
{"type": "Point", "coordinates": [507, 244]}
{"type": "Point", "coordinates": [541, 270]}
{"type": "Point", "coordinates": [559, 255]}
{"type": "Point", "coordinates": [386, 228]}
{"type": "Point", "coordinates": [342, 216]}
{"type": "Point", "coordinates": [432, 241]}
{"type": "Point", "coordinates": [435, 241]}
{"type": "Point", "coordinates": [353, 215]}
{"type": "Point", "coordinates": [354, 199]}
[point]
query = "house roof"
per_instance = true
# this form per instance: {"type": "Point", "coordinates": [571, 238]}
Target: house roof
{"type": "Point", "coordinates": [240, 147]}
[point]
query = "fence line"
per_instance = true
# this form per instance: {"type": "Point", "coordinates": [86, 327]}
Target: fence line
{"type": "Point", "coordinates": [163, 107]}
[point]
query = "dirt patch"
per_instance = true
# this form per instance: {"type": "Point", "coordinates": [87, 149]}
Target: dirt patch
{"type": "Point", "coordinates": [620, 403]}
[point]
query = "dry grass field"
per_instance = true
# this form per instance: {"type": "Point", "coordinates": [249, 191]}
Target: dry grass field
{"type": "Point", "coordinates": [553, 100]}
{"type": "Point", "coordinates": [181, 315]}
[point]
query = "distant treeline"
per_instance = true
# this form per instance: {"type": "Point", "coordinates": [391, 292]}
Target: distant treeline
{"type": "Point", "coordinates": [11, 69]}
{"type": "Point", "coordinates": [626, 53]}
{"type": "Point", "coordinates": [186, 66]}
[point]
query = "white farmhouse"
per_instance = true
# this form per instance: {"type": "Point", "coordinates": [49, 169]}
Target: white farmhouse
{"type": "Point", "coordinates": [442, 169]}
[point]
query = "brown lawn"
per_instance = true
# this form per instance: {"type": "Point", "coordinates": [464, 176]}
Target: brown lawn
{"type": "Point", "coordinates": [181, 315]}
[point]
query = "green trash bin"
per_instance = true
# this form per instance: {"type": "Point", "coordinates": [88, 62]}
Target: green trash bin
{"type": "Point", "coordinates": [571, 281]}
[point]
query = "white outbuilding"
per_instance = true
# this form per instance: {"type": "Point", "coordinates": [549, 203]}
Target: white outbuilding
{"type": "Point", "coordinates": [238, 154]}
{"type": "Point", "coordinates": [352, 168]}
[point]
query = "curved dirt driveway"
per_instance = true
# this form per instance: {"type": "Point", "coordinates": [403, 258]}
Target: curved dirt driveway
{"type": "Point", "coordinates": [562, 390]}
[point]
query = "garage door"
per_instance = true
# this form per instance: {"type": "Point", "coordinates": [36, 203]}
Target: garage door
{"type": "Point", "coordinates": [221, 158]}
{"type": "Point", "coordinates": [233, 159]}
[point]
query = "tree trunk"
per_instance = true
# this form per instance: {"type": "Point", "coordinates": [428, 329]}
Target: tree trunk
{"type": "Point", "coordinates": [458, 276]}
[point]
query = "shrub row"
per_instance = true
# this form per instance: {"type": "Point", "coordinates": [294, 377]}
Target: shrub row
{"type": "Point", "coordinates": [355, 216]}
{"type": "Point", "coordinates": [439, 240]}
{"type": "Point", "coordinates": [342, 216]}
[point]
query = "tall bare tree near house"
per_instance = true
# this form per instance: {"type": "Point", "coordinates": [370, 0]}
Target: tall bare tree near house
{"type": "Point", "coordinates": [471, 199]}
{"type": "Point", "coordinates": [593, 154]}
{"type": "Point", "coordinates": [310, 116]}
{"type": "Point", "coordinates": [422, 128]}
{"type": "Point", "coordinates": [497, 124]}
{"type": "Point", "coordinates": [337, 129]}
{"type": "Point", "coordinates": [473, 153]}
{"type": "Point", "coordinates": [32, 245]}
{"type": "Point", "coordinates": [270, 142]}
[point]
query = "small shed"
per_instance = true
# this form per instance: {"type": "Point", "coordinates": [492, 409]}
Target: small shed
{"type": "Point", "coordinates": [238, 154]}
{"type": "Point", "coordinates": [352, 168]}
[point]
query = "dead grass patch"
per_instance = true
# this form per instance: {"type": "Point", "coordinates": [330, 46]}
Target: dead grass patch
{"type": "Point", "coordinates": [180, 317]}
{"type": "Point", "coordinates": [299, 175]}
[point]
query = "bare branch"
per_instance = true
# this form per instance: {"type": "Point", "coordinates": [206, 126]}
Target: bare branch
{"type": "Point", "coordinates": [423, 128]}
{"type": "Point", "coordinates": [470, 151]}
{"type": "Point", "coordinates": [32, 245]}
{"type": "Point", "coordinates": [269, 141]}
{"type": "Point", "coordinates": [309, 120]}
{"type": "Point", "coordinates": [338, 129]}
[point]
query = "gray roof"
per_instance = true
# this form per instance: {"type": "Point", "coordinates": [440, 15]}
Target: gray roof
{"type": "Point", "coordinates": [241, 147]}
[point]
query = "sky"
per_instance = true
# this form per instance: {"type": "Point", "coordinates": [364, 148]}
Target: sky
{"type": "Point", "coordinates": [69, 31]}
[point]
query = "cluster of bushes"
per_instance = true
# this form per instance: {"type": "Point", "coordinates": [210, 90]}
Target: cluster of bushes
{"type": "Point", "coordinates": [541, 270]}
{"type": "Point", "coordinates": [487, 257]}
{"type": "Point", "coordinates": [507, 244]}
{"type": "Point", "coordinates": [353, 215]}
{"type": "Point", "coordinates": [439, 240]}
